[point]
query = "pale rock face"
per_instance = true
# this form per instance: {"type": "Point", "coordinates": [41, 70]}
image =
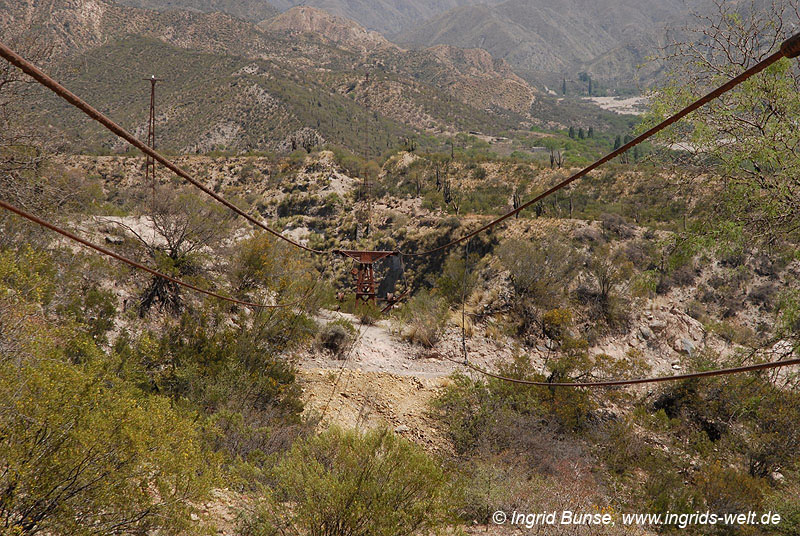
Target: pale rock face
{"type": "Point", "coordinates": [339, 30]}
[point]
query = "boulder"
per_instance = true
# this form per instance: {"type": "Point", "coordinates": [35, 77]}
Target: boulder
{"type": "Point", "coordinates": [684, 346]}
{"type": "Point", "coordinates": [646, 333]}
{"type": "Point", "coordinates": [115, 240]}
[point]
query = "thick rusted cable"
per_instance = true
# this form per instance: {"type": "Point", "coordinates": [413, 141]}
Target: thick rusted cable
{"type": "Point", "coordinates": [637, 381]}
{"type": "Point", "coordinates": [34, 72]}
{"type": "Point", "coordinates": [139, 266]}
{"type": "Point", "coordinates": [789, 49]}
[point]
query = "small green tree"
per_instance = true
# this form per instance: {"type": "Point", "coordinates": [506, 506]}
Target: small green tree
{"type": "Point", "coordinates": [608, 275]}
{"type": "Point", "coordinates": [759, 161]}
{"type": "Point", "coordinates": [540, 271]}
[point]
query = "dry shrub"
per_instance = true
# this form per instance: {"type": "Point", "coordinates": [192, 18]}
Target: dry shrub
{"type": "Point", "coordinates": [423, 319]}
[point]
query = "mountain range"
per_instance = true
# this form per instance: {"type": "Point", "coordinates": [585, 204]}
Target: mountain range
{"type": "Point", "coordinates": [303, 74]}
{"type": "Point", "coordinates": [543, 40]}
{"type": "Point", "coordinates": [387, 17]}
{"type": "Point", "coordinates": [547, 41]}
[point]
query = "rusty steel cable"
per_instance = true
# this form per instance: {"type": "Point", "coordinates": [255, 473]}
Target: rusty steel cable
{"type": "Point", "coordinates": [45, 80]}
{"type": "Point", "coordinates": [636, 381]}
{"type": "Point", "coordinates": [789, 49]}
{"type": "Point", "coordinates": [137, 265]}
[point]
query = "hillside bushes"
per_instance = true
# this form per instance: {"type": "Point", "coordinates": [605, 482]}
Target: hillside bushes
{"type": "Point", "coordinates": [83, 453]}
{"type": "Point", "coordinates": [423, 318]}
{"type": "Point", "coordinates": [336, 336]}
{"type": "Point", "coordinates": [342, 483]}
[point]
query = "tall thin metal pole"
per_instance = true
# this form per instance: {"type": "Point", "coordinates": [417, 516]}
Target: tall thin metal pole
{"type": "Point", "coordinates": [150, 164]}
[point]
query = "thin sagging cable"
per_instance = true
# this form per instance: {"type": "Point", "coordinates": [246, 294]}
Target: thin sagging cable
{"type": "Point", "coordinates": [636, 381]}
{"type": "Point", "coordinates": [137, 265]}
{"type": "Point", "coordinates": [464, 305]}
{"type": "Point", "coordinates": [48, 82]}
{"type": "Point", "coordinates": [789, 49]}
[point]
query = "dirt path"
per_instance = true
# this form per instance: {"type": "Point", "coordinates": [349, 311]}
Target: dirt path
{"type": "Point", "coordinates": [385, 381]}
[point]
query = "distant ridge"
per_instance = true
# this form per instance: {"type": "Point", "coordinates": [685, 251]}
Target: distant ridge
{"type": "Point", "coordinates": [252, 10]}
{"type": "Point", "coordinates": [344, 32]}
{"type": "Point", "coordinates": [304, 76]}
{"type": "Point", "coordinates": [546, 39]}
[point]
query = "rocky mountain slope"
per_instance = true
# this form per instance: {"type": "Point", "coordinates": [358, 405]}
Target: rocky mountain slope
{"type": "Point", "coordinates": [542, 39]}
{"type": "Point", "coordinates": [385, 16]}
{"type": "Point", "coordinates": [388, 380]}
{"type": "Point", "coordinates": [299, 78]}
{"type": "Point", "coordinates": [338, 30]}
{"type": "Point", "coordinates": [253, 10]}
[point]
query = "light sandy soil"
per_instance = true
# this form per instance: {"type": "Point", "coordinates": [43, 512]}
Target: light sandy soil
{"type": "Point", "coordinates": [631, 105]}
{"type": "Point", "coordinates": [385, 381]}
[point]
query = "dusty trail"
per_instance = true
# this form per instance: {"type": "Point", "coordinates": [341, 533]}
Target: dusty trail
{"type": "Point", "coordinates": [385, 381]}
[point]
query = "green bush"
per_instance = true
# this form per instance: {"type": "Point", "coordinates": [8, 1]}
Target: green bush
{"type": "Point", "coordinates": [540, 271]}
{"type": "Point", "coordinates": [453, 284]}
{"type": "Point", "coordinates": [237, 376]}
{"type": "Point", "coordinates": [423, 319]}
{"type": "Point", "coordinates": [368, 313]}
{"type": "Point", "coordinates": [336, 336]}
{"type": "Point", "coordinates": [266, 268]}
{"type": "Point", "coordinates": [83, 453]}
{"type": "Point", "coordinates": [342, 483]}
{"type": "Point", "coordinates": [608, 277]}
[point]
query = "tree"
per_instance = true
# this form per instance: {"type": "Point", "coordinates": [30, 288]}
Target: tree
{"type": "Point", "coordinates": [591, 133]}
{"type": "Point", "coordinates": [182, 227]}
{"type": "Point", "coordinates": [617, 142]}
{"type": "Point", "coordinates": [572, 132]}
{"type": "Point", "coordinates": [581, 133]}
{"type": "Point", "coordinates": [606, 278]}
{"type": "Point", "coordinates": [759, 161]}
{"type": "Point", "coordinates": [27, 179]}
{"type": "Point", "coordinates": [564, 87]}
{"type": "Point", "coordinates": [342, 483]}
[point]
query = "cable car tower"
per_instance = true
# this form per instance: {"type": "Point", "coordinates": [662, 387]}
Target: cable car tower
{"type": "Point", "coordinates": [149, 163]}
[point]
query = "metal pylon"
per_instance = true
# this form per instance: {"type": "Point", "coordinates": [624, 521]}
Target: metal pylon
{"type": "Point", "coordinates": [149, 164]}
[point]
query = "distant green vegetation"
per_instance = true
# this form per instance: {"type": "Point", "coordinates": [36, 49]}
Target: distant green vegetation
{"type": "Point", "coordinates": [223, 103]}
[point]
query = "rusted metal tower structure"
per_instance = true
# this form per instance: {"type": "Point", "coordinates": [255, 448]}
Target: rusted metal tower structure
{"type": "Point", "coordinates": [364, 273]}
{"type": "Point", "coordinates": [149, 163]}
